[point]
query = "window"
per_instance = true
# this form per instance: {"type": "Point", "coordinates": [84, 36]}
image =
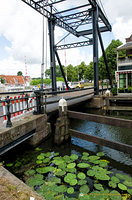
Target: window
{"type": "Point", "coordinates": [122, 80]}
{"type": "Point", "coordinates": [130, 80]}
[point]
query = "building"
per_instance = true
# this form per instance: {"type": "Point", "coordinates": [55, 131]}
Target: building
{"type": "Point", "coordinates": [12, 80]}
{"type": "Point", "coordinates": [124, 66]}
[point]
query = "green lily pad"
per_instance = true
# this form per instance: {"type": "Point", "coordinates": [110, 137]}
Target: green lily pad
{"type": "Point", "coordinates": [45, 170]}
{"type": "Point", "coordinates": [58, 161]}
{"type": "Point", "coordinates": [81, 182]}
{"type": "Point", "coordinates": [69, 177]}
{"type": "Point", "coordinates": [60, 173]}
{"type": "Point", "coordinates": [55, 179]}
{"type": "Point", "coordinates": [98, 186]}
{"type": "Point", "coordinates": [38, 149]}
{"type": "Point", "coordinates": [101, 176]}
{"type": "Point", "coordinates": [91, 158]}
{"type": "Point", "coordinates": [73, 170]}
{"type": "Point", "coordinates": [62, 188]}
{"type": "Point", "coordinates": [115, 180]}
{"type": "Point", "coordinates": [85, 154]}
{"type": "Point", "coordinates": [102, 164]}
{"type": "Point", "coordinates": [62, 166]}
{"type": "Point", "coordinates": [66, 158]}
{"type": "Point", "coordinates": [74, 157]}
{"type": "Point", "coordinates": [128, 183]}
{"type": "Point", "coordinates": [70, 190]}
{"type": "Point", "coordinates": [129, 191]}
{"type": "Point", "coordinates": [115, 195]}
{"type": "Point", "coordinates": [37, 179]}
{"type": "Point", "coordinates": [39, 161]}
{"type": "Point", "coordinates": [112, 184]}
{"type": "Point", "coordinates": [85, 158]}
{"type": "Point", "coordinates": [90, 172]}
{"type": "Point", "coordinates": [48, 154]}
{"type": "Point", "coordinates": [46, 160]}
{"type": "Point", "coordinates": [81, 175]}
{"type": "Point", "coordinates": [9, 164]}
{"type": "Point", "coordinates": [120, 176]}
{"type": "Point", "coordinates": [30, 172]}
{"type": "Point", "coordinates": [83, 165]}
{"type": "Point", "coordinates": [71, 165]}
{"type": "Point", "coordinates": [122, 187]}
{"type": "Point", "coordinates": [100, 154]}
{"type": "Point", "coordinates": [40, 157]}
{"type": "Point", "coordinates": [56, 154]}
{"type": "Point", "coordinates": [84, 196]}
{"type": "Point", "coordinates": [73, 182]}
{"type": "Point", "coordinates": [84, 189]}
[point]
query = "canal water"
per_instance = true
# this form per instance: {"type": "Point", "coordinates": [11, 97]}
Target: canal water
{"type": "Point", "coordinates": [23, 158]}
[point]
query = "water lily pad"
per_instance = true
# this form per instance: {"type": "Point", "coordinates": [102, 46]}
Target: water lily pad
{"type": "Point", "coordinates": [85, 158]}
{"type": "Point", "coordinates": [115, 195]}
{"type": "Point", "coordinates": [84, 189]}
{"type": "Point", "coordinates": [90, 172]}
{"type": "Point", "coordinates": [91, 158]}
{"type": "Point", "coordinates": [73, 182]}
{"type": "Point", "coordinates": [81, 175]}
{"type": "Point", "coordinates": [84, 197]}
{"type": "Point", "coordinates": [122, 187]}
{"type": "Point", "coordinates": [100, 154]}
{"type": "Point", "coordinates": [62, 166]}
{"type": "Point", "coordinates": [85, 154]}
{"type": "Point", "coordinates": [83, 165]}
{"type": "Point", "coordinates": [115, 180]}
{"type": "Point", "coordinates": [55, 179]}
{"type": "Point", "coordinates": [112, 184]}
{"type": "Point", "coordinates": [128, 183]}
{"type": "Point", "coordinates": [30, 172]}
{"type": "Point", "coordinates": [48, 154]}
{"type": "Point", "coordinates": [9, 164]}
{"type": "Point", "coordinates": [45, 170]}
{"type": "Point", "coordinates": [101, 176]}
{"type": "Point", "coordinates": [71, 165]}
{"type": "Point", "coordinates": [38, 149]}
{"type": "Point", "coordinates": [66, 158]}
{"type": "Point", "coordinates": [62, 188]}
{"type": "Point", "coordinates": [70, 190]}
{"type": "Point", "coordinates": [56, 154]}
{"type": "Point", "coordinates": [129, 191]}
{"type": "Point", "coordinates": [98, 186]}
{"type": "Point", "coordinates": [60, 173]}
{"type": "Point", "coordinates": [102, 163]}
{"type": "Point", "coordinates": [58, 161]}
{"type": "Point", "coordinates": [69, 177]}
{"type": "Point", "coordinates": [120, 176]}
{"type": "Point", "coordinates": [40, 157]}
{"type": "Point", "coordinates": [81, 182]}
{"type": "Point", "coordinates": [74, 157]}
{"type": "Point", "coordinates": [37, 179]}
{"type": "Point", "coordinates": [73, 170]}
{"type": "Point", "coordinates": [46, 160]}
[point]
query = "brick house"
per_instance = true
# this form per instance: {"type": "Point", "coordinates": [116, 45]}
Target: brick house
{"type": "Point", "coordinates": [12, 80]}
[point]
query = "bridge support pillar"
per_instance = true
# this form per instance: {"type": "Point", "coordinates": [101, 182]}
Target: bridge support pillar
{"type": "Point", "coordinates": [62, 124]}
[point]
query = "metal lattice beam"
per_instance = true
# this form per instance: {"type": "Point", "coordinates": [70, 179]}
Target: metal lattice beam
{"type": "Point", "coordinates": [59, 22]}
{"type": "Point", "coordinates": [81, 22]}
{"type": "Point", "coordinates": [74, 45]}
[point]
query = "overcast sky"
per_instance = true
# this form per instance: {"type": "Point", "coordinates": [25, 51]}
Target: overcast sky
{"type": "Point", "coordinates": [21, 36]}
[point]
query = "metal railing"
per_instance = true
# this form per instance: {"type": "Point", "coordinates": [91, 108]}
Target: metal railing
{"type": "Point", "coordinates": [24, 102]}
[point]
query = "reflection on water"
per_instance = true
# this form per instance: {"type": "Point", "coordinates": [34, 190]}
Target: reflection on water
{"type": "Point", "coordinates": [117, 134]}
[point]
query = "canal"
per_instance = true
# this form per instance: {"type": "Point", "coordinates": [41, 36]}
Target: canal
{"type": "Point", "coordinates": [24, 159]}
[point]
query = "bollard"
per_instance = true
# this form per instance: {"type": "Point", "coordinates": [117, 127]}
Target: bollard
{"type": "Point", "coordinates": [62, 124]}
{"type": "Point", "coordinates": [8, 124]}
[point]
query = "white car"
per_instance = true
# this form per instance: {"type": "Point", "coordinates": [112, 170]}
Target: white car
{"type": "Point", "coordinates": [71, 85]}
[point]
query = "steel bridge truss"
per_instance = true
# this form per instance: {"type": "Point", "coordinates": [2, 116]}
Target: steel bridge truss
{"type": "Point", "coordinates": [81, 21]}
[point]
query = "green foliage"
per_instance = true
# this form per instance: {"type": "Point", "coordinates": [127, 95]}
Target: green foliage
{"type": "Point", "coordinates": [2, 80]}
{"type": "Point", "coordinates": [114, 90]}
{"type": "Point", "coordinates": [111, 56]}
{"type": "Point", "coordinates": [19, 73]}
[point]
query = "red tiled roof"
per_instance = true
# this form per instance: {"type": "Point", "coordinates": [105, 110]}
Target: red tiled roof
{"type": "Point", "coordinates": [17, 80]}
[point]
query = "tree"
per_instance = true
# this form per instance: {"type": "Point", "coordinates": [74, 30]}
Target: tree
{"type": "Point", "coordinates": [19, 73]}
{"type": "Point", "coordinates": [2, 80]}
{"type": "Point", "coordinates": [111, 59]}
{"type": "Point", "coordinates": [88, 74]}
{"type": "Point", "coordinates": [70, 73]}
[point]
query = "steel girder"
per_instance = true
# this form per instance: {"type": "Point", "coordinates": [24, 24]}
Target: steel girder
{"type": "Point", "coordinates": [59, 22]}
{"type": "Point", "coordinates": [74, 45]}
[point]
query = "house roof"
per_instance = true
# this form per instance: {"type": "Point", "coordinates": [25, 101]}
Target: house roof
{"type": "Point", "coordinates": [18, 80]}
{"type": "Point", "coordinates": [128, 45]}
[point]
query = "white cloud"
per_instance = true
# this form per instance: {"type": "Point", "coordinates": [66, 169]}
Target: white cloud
{"type": "Point", "coordinates": [22, 26]}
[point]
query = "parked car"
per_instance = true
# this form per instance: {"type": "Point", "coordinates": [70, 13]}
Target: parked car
{"type": "Point", "coordinates": [80, 84]}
